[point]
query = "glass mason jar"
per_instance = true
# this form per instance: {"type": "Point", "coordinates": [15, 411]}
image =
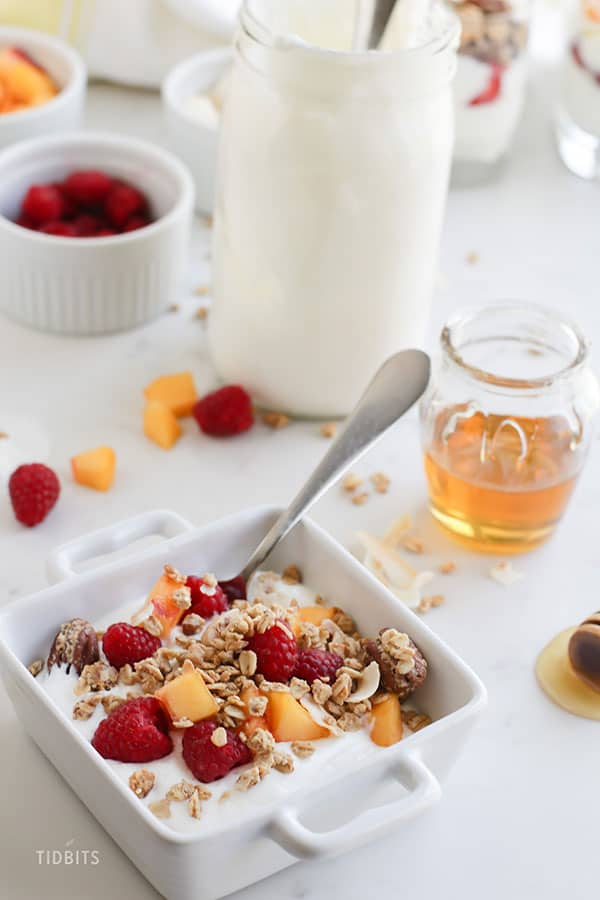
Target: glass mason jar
{"type": "Point", "coordinates": [578, 121]}
{"type": "Point", "coordinates": [333, 177]}
{"type": "Point", "coordinates": [489, 88]}
{"type": "Point", "coordinates": [506, 425]}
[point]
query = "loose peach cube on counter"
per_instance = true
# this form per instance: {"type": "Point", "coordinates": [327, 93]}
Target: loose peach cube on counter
{"type": "Point", "coordinates": [177, 392]}
{"type": "Point", "coordinates": [161, 425]}
{"type": "Point", "coordinates": [187, 696]}
{"type": "Point", "coordinates": [288, 720]}
{"type": "Point", "coordinates": [95, 468]}
{"type": "Point", "coordinates": [165, 609]}
{"type": "Point", "coordinates": [387, 726]}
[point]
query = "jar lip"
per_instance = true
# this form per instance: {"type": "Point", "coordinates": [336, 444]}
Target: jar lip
{"type": "Point", "coordinates": [449, 31]}
{"type": "Point", "coordinates": [470, 315]}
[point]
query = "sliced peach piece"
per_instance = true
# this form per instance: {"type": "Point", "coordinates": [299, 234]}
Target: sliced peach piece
{"type": "Point", "coordinates": [252, 723]}
{"type": "Point", "coordinates": [161, 425]}
{"type": "Point", "coordinates": [287, 719]}
{"type": "Point", "coordinates": [95, 468]}
{"type": "Point", "coordinates": [187, 696]}
{"type": "Point", "coordinates": [316, 615]}
{"type": "Point", "coordinates": [387, 722]}
{"type": "Point", "coordinates": [165, 609]}
{"type": "Point", "coordinates": [177, 391]}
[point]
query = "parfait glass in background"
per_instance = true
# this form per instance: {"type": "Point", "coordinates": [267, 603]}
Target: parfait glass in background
{"type": "Point", "coordinates": [506, 425]}
{"type": "Point", "coordinates": [489, 88]}
{"type": "Point", "coordinates": [578, 121]}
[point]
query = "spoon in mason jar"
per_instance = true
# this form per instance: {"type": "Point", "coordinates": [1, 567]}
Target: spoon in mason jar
{"type": "Point", "coordinates": [393, 391]}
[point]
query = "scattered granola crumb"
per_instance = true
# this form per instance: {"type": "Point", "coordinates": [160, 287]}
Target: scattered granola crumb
{"type": "Point", "coordinates": [184, 722]}
{"type": "Point", "coordinates": [415, 720]}
{"type": "Point", "coordinates": [224, 796]}
{"type": "Point", "coordinates": [438, 600]}
{"type": "Point", "coordinates": [447, 568]}
{"type": "Point", "coordinates": [4, 434]}
{"type": "Point", "coordinates": [141, 782]}
{"type": "Point", "coordinates": [202, 290]}
{"type": "Point", "coordinates": [174, 574]}
{"type": "Point", "coordinates": [192, 623]}
{"type": "Point", "coordinates": [208, 220]}
{"type": "Point", "coordinates": [380, 482]}
{"type": "Point", "coordinates": [413, 545]}
{"type": "Point", "coordinates": [262, 742]}
{"type": "Point", "coordinates": [201, 313]}
{"type": "Point", "coordinates": [257, 706]}
{"type": "Point", "coordinates": [84, 709]}
{"type": "Point", "coordinates": [283, 762]}
{"type": "Point", "coordinates": [111, 702]}
{"type": "Point", "coordinates": [351, 482]}
{"type": "Point", "coordinates": [472, 257]}
{"type": "Point", "coordinates": [248, 779]}
{"type": "Point", "coordinates": [533, 351]}
{"type": "Point", "coordinates": [219, 737]}
{"type": "Point", "coordinates": [174, 307]}
{"type": "Point", "coordinates": [195, 805]}
{"type": "Point", "coordinates": [505, 573]}
{"type": "Point", "coordinates": [36, 667]}
{"type": "Point", "coordinates": [275, 420]}
{"type": "Point", "coordinates": [302, 749]}
{"type": "Point", "coordinates": [182, 597]}
{"type": "Point", "coordinates": [328, 429]}
{"type": "Point", "coordinates": [292, 575]}
{"type": "Point", "coordinates": [161, 809]}
{"type": "Point", "coordinates": [152, 626]}
{"type": "Point", "coordinates": [360, 499]}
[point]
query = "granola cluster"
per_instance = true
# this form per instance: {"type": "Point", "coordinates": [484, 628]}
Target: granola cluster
{"type": "Point", "coordinates": [490, 31]}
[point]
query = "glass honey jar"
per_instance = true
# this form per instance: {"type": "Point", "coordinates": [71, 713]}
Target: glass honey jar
{"type": "Point", "coordinates": [506, 425]}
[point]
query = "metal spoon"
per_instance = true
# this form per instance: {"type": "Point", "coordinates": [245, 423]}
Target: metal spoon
{"type": "Point", "coordinates": [382, 12]}
{"type": "Point", "coordinates": [395, 388]}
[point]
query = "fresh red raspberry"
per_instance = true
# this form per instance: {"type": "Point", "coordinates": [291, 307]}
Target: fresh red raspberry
{"type": "Point", "coordinates": [208, 762]}
{"type": "Point", "coordinates": [70, 208]}
{"type": "Point", "coordinates": [225, 412]}
{"type": "Point", "coordinates": [135, 223]}
{"type": "Point", "coordinates": [33, 489]}
{"type": "Point", "coordinates": [88, 188]}
{"type": "Point", "coordinates": [43, 203]}
{"type": "Point", "coordinates": [25, 222]}
{"type": "Point", "coordinates": [312, 664]}
{"type": "Point", "coordinates": [207, 599]}
{"type": "Point", "coordinates": [86, 225]}
{"type": "Point", "coordinates": [234, 589]}
{"type": "Point", "coordinates": [105, 232]}
{"type": "Point", "coordinates": [123, 643]}
{"type": "Point", "coordinates": [137, 731]}
{"type": "Point", "coordinates": [276, 652]}
{"type": "Point", "coordinates": [122, 202]}
{"type": "Point", "coordinates": [60, 229]}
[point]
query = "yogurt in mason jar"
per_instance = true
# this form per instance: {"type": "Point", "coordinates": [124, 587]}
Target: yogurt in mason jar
{"type": "Point", "coordinates": [333, 179]}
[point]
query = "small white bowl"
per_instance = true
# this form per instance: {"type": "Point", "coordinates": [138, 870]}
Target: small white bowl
{"type": "Point", "coordinates": [194, 141]}
{"type": "Point", "coordinates": [93, 285]}
{"type": "Point", "coordinates": [65, 67]}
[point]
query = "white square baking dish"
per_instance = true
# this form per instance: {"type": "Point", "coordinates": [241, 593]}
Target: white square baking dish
{"type": "Point", "coordinates": [363, 799]}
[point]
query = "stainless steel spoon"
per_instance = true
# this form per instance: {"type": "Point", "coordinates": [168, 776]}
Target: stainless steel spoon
{"type": "Point", "coordinates": [382, 11]}
{"type": "Point", "coordinates": [395, 388]}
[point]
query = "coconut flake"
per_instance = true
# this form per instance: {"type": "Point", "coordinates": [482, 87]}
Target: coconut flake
{"type": "Point", "coordinates": [319, 715]}
{"type": "Point", "coordinates": [368, 684]}
{"type": "Point", "coordinates": [505, 574]}
{"type": "Point", "coordinates": [391, 568]}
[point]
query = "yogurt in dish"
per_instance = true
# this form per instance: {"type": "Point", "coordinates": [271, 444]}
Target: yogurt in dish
{"type": "Point", "coordinates": [581, 71]}
{"type": "Point", "coordinates": [333, 178]}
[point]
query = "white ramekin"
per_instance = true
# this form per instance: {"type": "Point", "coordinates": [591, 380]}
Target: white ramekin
{"type": "Point", "coordinates": [93, 285]}
{"type": "Point", "coordinates": [65, 67]}
{"type": "Point", "coordinates": [195, 143]}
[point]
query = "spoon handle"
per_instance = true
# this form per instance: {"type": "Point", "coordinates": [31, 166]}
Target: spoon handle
{"type": "Point", "coordinates": [395, 388]}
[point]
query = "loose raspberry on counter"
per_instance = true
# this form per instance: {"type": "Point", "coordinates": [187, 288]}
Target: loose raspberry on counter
{"type": "Point", "coordinates": [122, 202]}
{"type": "Point", "coordinates": [313, 664]}
{"type": "Point", "coordinates": [88, 187]}
{"type": "Point", "coordinates": [123, 643]}
{"type": "Point", "coordinates": [137, 731]}
{"type": "Point", "coordinates": [276, 652]}
{"type": "Point", "coordinates": [43, 203]}
{"type": "Point", "coordinates": [34, 490]}
{"type": "Point", "coordinates": [225, 412]}
{"type": "Point", "coordinates": [234, 589]}
{"type": "Point", "coordinates": [206, 760]}
{"type": "Point", "coordinates": [207, 597]}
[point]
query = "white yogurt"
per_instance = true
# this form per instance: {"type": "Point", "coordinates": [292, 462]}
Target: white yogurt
{"type": "Point", "coordinates": [484, 132]}
{"type": "Point", "coordinates": [581, 91]}
{"type": "Point", "coordinates": [333, 179]}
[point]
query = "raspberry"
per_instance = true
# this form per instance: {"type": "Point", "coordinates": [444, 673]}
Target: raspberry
{"type": "Point", "coordinates": [134, 223]}
{"type": "Point", "coordinates": [276, 652]}
{"type": "Point", "coordinates": [123, 643]}
{"type": "Point", "coordinates": [25, 222]}
{"type": "Point", "coordinates": [86, 225]}
{"type": "Point", "coordinates": [137, 731]}
{"type": "Point", "coordinates": [234, 589]}
{"type": "Point", "coordinates": [225, 412]}
{"type": "Point", "coordinates": [60, 229]}
{"type": "Point", "coordinates": [43, 203]}
{"type": "Point", "coordinates": [87, 188]}
{"type": "Point", "coordinates": [105, 232]}
{"type": "Point", "coordinates": [122, 202]}
{"type": "Point", "coordinates": [34, 489]}
{"type": "Point", "coordinates": [208, 762]}
{"type": "Point", "coordinates": [314, 664]}
{"type": "Point", "coordinates": [206, 599]}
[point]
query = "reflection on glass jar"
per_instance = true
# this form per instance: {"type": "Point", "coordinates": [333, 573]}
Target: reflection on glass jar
{"type": "Point", "coordinates": [490, 82]}
{"type": "Point", "coordinates": [506, 425]}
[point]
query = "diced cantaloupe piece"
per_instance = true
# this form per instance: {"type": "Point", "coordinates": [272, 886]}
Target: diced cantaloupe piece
{"type": "Point", "coordinates": [387, 722]}
{"type": "Point", "coordinates": [187, 696]}
{"type": "Point", "coordinates": [95, 468]}
{"type": "Point", "coordinates": [251, 723]}
{"type": "Point", "coordinates": [287, 720]}
{"type": "Point", "coordinates": [165, 609]}
{"type": "Point", "coordinates": [177, 391]}
{"type": "Point", "coordinates": [161, 425]}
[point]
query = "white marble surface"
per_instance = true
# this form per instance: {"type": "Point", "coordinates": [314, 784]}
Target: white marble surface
{"type": "Point", "coordinates": [519, 815]}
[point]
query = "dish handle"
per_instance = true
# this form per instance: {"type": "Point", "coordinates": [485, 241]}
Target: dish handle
{"type": "Point", "coordinates": [162, 522]}
{"type": "Point", "coordinates": [298, 840]}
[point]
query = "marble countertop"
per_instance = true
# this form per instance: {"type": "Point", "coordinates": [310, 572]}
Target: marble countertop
{"type": "Point", "coordinates": [519, 813]}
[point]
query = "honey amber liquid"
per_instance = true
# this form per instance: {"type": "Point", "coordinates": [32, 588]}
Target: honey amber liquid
{"type": "Point", "coordinates": [500, 483]}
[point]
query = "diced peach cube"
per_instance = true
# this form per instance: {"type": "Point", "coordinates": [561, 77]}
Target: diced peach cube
{"type": "Point", "coordinates": [161, 425]}
{"type": "Point", "coordinates": [287, 719]}
{"type": "Point", "coordinates": [165, 609]}
{"type": "Point", "coordinates": [316, 615]}
{"type": "Point", "coordinates": [387, 726]}
{"type": "Point", "coordinates": [187, 696]}
{"type": "Point", "coordinates": [177, 391]}
{"type": "Point", "coordinates": [95, 468]}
